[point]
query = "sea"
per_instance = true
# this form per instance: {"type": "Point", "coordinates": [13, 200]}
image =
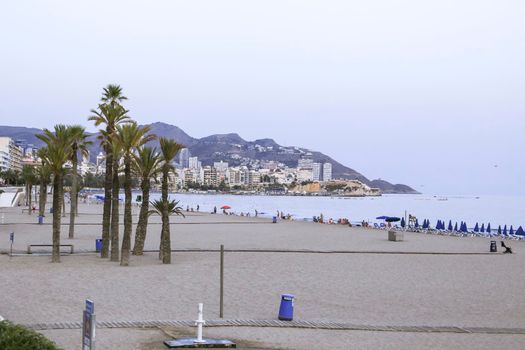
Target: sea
{"type": "Point", "coordinates": [496, 210]}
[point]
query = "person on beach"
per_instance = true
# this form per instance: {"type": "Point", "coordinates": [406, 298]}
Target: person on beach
{"type": "Point", "coordinates": [256, 213]}
{"type": "Point", "coordinates": [197, 207]}
{"type": "Point", "coordinates": [214, 210]}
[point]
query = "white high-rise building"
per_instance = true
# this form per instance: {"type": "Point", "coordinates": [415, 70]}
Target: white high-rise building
{"type": "Point", "coordinates": [316, 171]}
{"type": "Point", "coordinates": [184, 156]}
{"type": "Point", "coordinates": [327, 171]}
{"type": "Point", "coordinates": [193, 163]}
{"type": "Point", "coordinates": [11, 154]}
{"type": "Point", "coordinates": [305, 163]}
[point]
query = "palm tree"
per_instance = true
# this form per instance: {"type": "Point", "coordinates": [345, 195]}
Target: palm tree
{"type": "Point", "coordinates": [79, 143]}
{"type": "Point", "coordinates": [169, 149]}
{"type": "Point", "coordinates": [113, 95]}
{"type": "Point", "coordinates": [58, 152]}
{"type": "Point", "coordinates": [28, 176]}
{"type": "Point", "coordinates": [44, 176]}
{"type": "Point", "coordinates": [147, 167]}
{"type": "Point", "coordinates": [129, 136]}
{"type": "Point", "coordinates": [110, 114]}
{"type": "Point", "coordinates": [165, 208]}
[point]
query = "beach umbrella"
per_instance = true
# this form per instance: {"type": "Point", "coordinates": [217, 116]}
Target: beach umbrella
{"type": "Point", "coordinates": [226, 207]}
{"type": "Point", "coordinates": [392, 219]}
{"type": "Point", "coordinates": [482, 228]}
{"type": "Point", "coordinates": [476, 228]}
{"type": "Point", "coordinates": [450, 225]}
{"type": "Point", "coordinates": [499, 230]}
{"type": "Point", "coordinates": [488, 228]}
{"type": "Point", "coordinates": [416, 225]}
{"type": "Point", "coordinates": [511, 232]}
{"type": "Point", "coordinates": [382, 217]}
{"type": "Point", "coordinates": [403, 223]}
{"type": "Point", "coordinates": [505, 230]}
{"type": "Point", "coordinates": [456, 227]}
{"type": "Point", "coordinates": [464, 229]}
{"type": "Point", "coordinates": [438, 225]}
{"type": "Point", "coordinates": [520, 232]}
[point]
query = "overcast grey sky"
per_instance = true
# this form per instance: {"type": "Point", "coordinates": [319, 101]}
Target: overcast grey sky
{"type": "Point", "coordinates": [426, 93]}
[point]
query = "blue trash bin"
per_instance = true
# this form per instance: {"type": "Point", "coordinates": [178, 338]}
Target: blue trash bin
{"type": "Point", "coordinates": [274, 219]}
{"type": "Point", "coordinates": [40, 219]}
{"type": "Point", "coordinates": [98, 244]}
{"type": "Point", "coordinates": [286, 308]}
{"type": "Point", "coordinates": [51, 210]}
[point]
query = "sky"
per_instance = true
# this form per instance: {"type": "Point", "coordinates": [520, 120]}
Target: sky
{"type": "Point", "coordinates": [425, 93]}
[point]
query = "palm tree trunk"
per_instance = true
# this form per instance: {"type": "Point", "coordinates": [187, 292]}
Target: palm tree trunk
{"type": "Point", "coordinates": [165, 245]}
{"type": "Point", "coordinates": [126, 239]}
{"type": "Point", "coordinates": [115, 213]}
{"type": "Point", "coordinates": [57, 191]}
{"type": "Point", "coordinates": [73, 197]}
{"type": "Point", "coordinates": [29, 192]}
{"type": "Point", "coordinates": [106, 216]}
{"type": "Point", "coordinates": [142, 225]}
{"type": "Point", "coordinates": [42, 198]}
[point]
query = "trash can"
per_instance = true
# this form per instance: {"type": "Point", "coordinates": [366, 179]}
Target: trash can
{"type": "Point", "coordinates": [493, 247]}
{"type": "Point", "coordinates": [286, 308]}
{"type": "Point", "coordinates": [274, 219]}
{"type": "Point", "coordinates": [98, 244]}
{"type": "Point", "coordinates": [51, 210]}
{"type": "Point", "coordinates": [40, 219]}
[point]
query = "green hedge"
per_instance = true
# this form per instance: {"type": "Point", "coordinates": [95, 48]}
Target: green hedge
{"type": "Point", "coordinates": [15, 337]}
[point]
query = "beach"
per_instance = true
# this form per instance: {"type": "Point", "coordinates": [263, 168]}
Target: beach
{"type": "Point", "coordinates": [342, 274]}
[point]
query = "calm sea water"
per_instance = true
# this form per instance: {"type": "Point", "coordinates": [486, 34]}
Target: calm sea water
{"type": "Point", "coordinates": [498, 210]}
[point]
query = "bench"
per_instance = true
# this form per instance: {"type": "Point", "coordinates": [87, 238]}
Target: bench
{"type": "Point", "coordinates": [49, 245]}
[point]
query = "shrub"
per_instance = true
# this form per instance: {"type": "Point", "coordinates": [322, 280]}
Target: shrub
{"type": "Point", "coordinates": [15, 337]}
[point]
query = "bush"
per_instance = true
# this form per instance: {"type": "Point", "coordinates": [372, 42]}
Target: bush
{"type": "Point", "coordinates": [15, 337]}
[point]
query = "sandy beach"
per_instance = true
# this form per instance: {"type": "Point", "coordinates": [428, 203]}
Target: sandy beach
{"type": "Point", "coordinates": [369, 281]}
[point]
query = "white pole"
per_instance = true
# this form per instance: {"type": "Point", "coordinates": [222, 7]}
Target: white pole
{"type": "Point", "coordinates": [200, 321]}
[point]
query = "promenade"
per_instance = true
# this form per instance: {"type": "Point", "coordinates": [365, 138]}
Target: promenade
{"type": "Point", "coordinates": [427, 291]}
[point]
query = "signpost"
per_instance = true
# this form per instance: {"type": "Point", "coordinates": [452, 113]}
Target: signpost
{"type": "Point", "coordinates": [88, 326]}
{"type": "Point", "coordinates": [12, 239]}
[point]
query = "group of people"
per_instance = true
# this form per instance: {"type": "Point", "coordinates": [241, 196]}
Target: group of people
{"type": "Point", "coordinates": [341, 221]}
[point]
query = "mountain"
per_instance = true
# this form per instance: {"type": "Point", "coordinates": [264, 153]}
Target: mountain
{"type": "Point", "coordinates": [233, 149]}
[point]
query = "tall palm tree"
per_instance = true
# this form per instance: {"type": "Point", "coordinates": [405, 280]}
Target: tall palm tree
{"type": "Point", "coordinates": [147, 167]}
{"type": "Point", "coordinates": [111, 115]}
{"type": "Point", "coordinates": [169, 149]}
{"type": "Point", "coordinates": [129, 136]}
{"type": "Point", "coordinates": [58, 152]}
{"type": "Point", "coordinates": [80, 143]}
{"type": "Point", "coordinates": [44, 177]}
{"type": "Point", "coordinates": [29, 177]}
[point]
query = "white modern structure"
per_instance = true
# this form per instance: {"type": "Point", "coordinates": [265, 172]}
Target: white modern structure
{"type": "Point", "coordinates": [316, 172]}
{"type": "Point", "coordinates": [10, 154]}
{"type": "Point", "coordinates": [327, 171]}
